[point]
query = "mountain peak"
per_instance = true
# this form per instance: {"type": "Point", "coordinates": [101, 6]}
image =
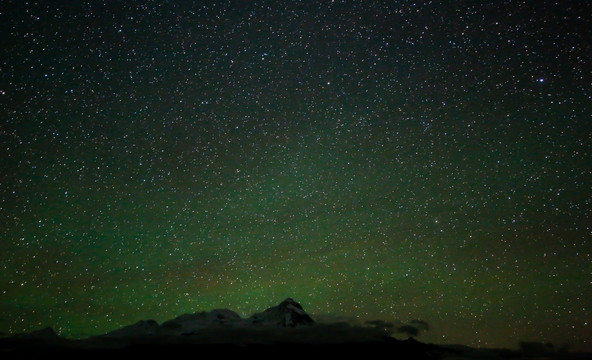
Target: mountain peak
{"type": "Point", "coordinates": [290, 301]}
{"type": "Point", "coordinates": [288, 313]}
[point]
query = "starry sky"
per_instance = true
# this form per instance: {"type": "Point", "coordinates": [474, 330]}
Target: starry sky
{"type": "Point", "coordinates": [391, 160]}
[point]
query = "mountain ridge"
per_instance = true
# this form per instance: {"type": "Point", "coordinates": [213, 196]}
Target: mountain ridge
{"type": "Point", "coordinates": [286, 327]}
{"type": "Point", "coordinates": [287, 314]}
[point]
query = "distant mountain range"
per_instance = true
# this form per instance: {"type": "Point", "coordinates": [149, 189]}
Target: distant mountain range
{"type": "Point", "coordinates": [286, 328]}
{"type": "Point", "coordinates": [288, 314]}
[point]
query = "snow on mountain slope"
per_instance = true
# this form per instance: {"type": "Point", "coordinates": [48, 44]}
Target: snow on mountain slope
{"type": "Point", "coordinates": [288, 313]}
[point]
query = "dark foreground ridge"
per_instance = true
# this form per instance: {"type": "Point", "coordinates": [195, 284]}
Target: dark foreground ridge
{"type": "Point", "coordinates": [157, 348]}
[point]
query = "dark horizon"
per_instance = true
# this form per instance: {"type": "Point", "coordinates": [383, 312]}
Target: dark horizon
{"type": "Point", "coordinates": [326, 329]}
{"type": "Point", "coordinates": [266, 332]}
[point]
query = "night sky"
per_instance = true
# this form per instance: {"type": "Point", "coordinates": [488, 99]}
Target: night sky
{"type": "Point", "coordinates": [391, 160]}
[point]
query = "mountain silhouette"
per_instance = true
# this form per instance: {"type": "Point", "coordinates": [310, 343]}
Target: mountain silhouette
{"type": "Point", "coordinates": [288, 314]}
{"type": "Point", "coordinates": [284, 328]}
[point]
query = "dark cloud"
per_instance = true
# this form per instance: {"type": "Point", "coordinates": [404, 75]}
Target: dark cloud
{"type": "Point", "coordinates": [408, 330]}
{"type": "Point", "coordinates": [420, 324]}
{"type": "Point", "coordinates": [381, 324]}
{"type": "Point", "coordinates": [332, 319]}
{"type": "Point", "coordinates": [412, 328]}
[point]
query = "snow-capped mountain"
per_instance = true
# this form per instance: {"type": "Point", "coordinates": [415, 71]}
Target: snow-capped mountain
{"type": "Point", "coordinates": [189, 323]}
{"type": "Point", "coordinates": [279, 327]}
{"type": "Point", "coordinates": [288, 313]}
